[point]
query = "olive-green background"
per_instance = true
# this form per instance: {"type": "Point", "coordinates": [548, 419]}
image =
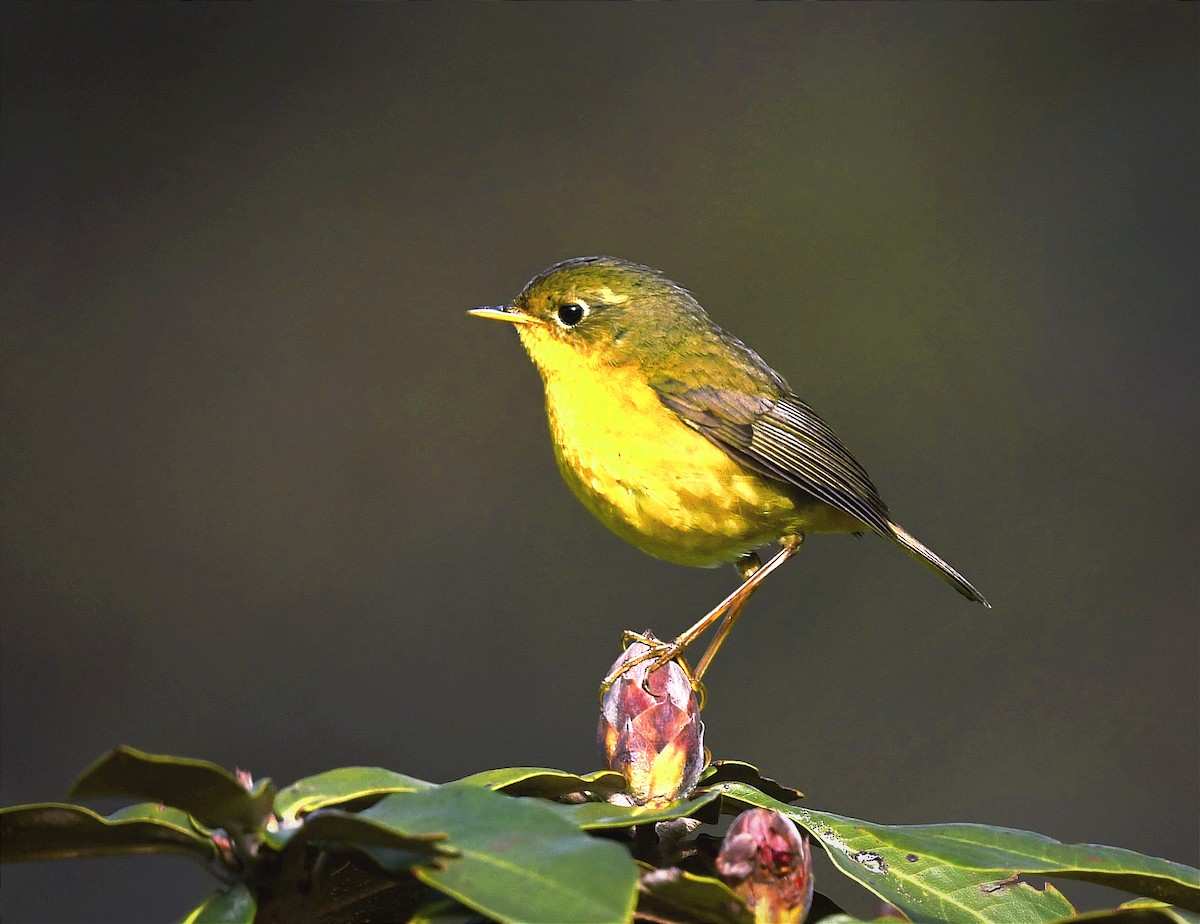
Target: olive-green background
{"type": "Point", "coordinates": [271, 498]}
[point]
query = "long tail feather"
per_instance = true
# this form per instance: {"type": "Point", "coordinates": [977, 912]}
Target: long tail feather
{"type": "Point", "coordinates": [952, 577]}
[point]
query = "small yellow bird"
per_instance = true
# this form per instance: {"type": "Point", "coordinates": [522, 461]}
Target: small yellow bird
{"type": "Point", "coordinates": [680, 439]}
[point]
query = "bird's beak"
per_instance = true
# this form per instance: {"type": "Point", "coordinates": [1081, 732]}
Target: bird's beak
{"type": "Point", "coordinates": [503, 313]}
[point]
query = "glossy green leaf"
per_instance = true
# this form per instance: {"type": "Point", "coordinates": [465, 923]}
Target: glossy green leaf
{"type": "Point", "coordinates": [397, 861]}
{"type": "Point", "coordinates": [358, 829]}
{"type": "Point", "coordinates": [202, 789]}
{"type": "Point", "coordinates": [737, 771]}
{"type": "Point", "coordinates": [1144, 911]}
{"type": "Point", "coordinates": [444, 910]}
{"type": "Point", "coordinates": [236, 905]}
{"type": "Point", "coordinates": [57, 831]}
{"type": "Point", "coordinates": [520, 860]}
{"type": "Point", "coordinates": [159, 813]}
{"type": "Point", "coordinates": [872, 853]}
{"type": "Point", "coordinates": [676, 895]}
{"type": "Point", "coordinates": [924, 888]}
{"type": "Point", "coordinates": [547, 784]}
{"type": "Point", "coordinates": [593, 816]}
{"type": "Point", "coordinates": [981, 847]}
{"type": "Point", "coordinates": [334, 787]}
{"type": "Point", "coordinates": [342, 785]}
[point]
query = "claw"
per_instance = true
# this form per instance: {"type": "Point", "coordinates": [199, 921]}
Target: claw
{"type": "Point", "coordinates": [653, 649]}
{"type": "Point", "coordinates": [662, 653]}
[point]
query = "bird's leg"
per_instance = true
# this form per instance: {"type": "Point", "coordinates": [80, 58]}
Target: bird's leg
{"type": "Point", "coordinates": [748, 565]}
{"type": "Point", "coordinates": [753, 575]}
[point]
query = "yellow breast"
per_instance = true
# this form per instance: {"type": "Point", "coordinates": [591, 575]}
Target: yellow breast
{"type": "Point", "coordinates": [650, 478]}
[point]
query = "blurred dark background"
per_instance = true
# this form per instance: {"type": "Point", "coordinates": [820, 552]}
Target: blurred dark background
{"type": "Point", "coordinates": [272, 499]}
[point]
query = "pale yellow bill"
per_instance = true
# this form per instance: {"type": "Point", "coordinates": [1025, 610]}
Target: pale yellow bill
{"type": "Point", "coordinates": [502, 313]}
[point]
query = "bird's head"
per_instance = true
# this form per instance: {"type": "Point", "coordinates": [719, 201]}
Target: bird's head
{"type": "Point", "coordinates": [604, 310]}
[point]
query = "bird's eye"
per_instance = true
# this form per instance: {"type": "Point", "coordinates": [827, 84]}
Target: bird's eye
{"type": "Point", "coordinates": [571, 313]}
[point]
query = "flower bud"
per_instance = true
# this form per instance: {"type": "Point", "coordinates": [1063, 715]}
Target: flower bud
{"type": "Point", "coordinates": [650, 730]}
{"type": "Point", "coordinates": [766, 861]}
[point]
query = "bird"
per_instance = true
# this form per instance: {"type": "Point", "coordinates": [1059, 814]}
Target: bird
{"type": "Point", "coordinates": [680, 439]}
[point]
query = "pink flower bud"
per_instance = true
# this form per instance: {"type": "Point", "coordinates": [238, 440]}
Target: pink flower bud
{"type": "Point", "coordinates": [650, 730]}
{"type": "Point", "coordinates": [766, 861]}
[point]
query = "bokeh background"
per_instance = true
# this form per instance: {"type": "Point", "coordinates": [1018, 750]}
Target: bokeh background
{"type": "Point", "coordinates": [271, 498]}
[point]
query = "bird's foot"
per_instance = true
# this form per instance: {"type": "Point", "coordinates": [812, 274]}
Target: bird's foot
{"type": "Point", "coordinates": [659, 652]}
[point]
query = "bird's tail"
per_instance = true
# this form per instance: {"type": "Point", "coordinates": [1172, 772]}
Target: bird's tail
{"type": "Point", "coordinates": [952, 577]}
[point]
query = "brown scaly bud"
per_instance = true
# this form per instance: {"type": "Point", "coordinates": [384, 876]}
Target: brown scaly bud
{"type": "Point", "coordinates": [650, 730]}
{"type": "Point", "coordinates": [766, 861]}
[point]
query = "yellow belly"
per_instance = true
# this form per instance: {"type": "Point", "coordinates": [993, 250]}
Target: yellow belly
{"type": "Point", "coordinates": [655, 481]}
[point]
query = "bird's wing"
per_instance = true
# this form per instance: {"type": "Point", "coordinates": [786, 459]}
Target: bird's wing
{"type": "Point", "coordinates": [782, 438]}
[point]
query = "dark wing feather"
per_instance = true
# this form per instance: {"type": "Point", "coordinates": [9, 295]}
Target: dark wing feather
{"type": "Point", "coordinates": [782, 438]}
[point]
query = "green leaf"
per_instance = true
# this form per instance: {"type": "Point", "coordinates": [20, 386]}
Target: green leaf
{"type": "Point", "coordinates": [1176, 915]}
{"type": "Point", "coordinates": [548, 784]}
{"type": "Point", "coordinates": [593, 816]}
{"type": "Point", "coordinates": [57, 831]}
{"type": "Point", "coordinates": [676, 895]}
{"type": "Point", "coordinates": [334, 787]}
{"type": "Point", "coordinates": [871, 853]}
{"type": "Point", "coordinates": [157, 812]}
{"type": "Point", "coordinates": [342, 785]}
{"type": "Point", "coordinates": [923, 887]}
{"type": "Point", "coordinates": [981, 847]}
{"type": "Point", "coordinates": [1144, 911]}
{"type": "Point", "coordinates": [444, 910]}
{"type": "Point", "coordinates": [357, 830]}
{"type": "Point", "coordinates": [397, 861]}
{"type": "Point", "coordinates": [520, 860]}
{"type": "Point", "coordinates": [202, 789]}
{"type": "Point", "coordinates": [233, 906]}
{"type": "Point", "coordinates": [737, 771]}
